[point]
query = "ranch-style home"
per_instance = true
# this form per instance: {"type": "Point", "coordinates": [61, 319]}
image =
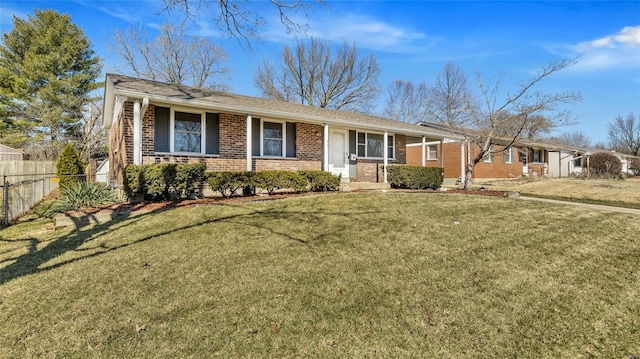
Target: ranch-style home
{"type": "Point", "coordinates": [153, 122]}
{"type": "Point", "coordinates": [525, 158]}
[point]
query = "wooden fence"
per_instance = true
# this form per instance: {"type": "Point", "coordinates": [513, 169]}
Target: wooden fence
{"type": "Point", "coordinates": [25, 183]}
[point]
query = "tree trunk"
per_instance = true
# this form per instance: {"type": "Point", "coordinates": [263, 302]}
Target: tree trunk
{"type": "Point", "coordinates": [468, 177]}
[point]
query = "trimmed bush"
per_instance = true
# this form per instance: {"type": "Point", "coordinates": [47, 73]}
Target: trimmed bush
{"type": "Point", "coordinates": [69, 168]}
{"type": "Point", "coordinates": [85, 194]}
{"type": "Point", "coordinates": [229, 183]}
{"type": "Point", "coordinates": [634, 166]}
{"type": "Point", "coordinates": [274, 180]}
{"type": "Point", "coordinates": [605, 164]}
{"type": "Point", "coordinates": [162, 181]}
{"type": "Point", "coordinates": [321, 181]}
{"type": "Point", "coordinates": [414, 177]}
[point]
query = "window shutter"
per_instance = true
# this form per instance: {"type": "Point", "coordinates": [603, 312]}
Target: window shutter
{"type": "Point", "coordinates": [161, 131]}
{"type": "Point", "coordinates": [211, 146]}
{"type": "Point", "coordinates": [353, 144]}
{"type": "Point", "coordinates": [291, 139]}
{"type": "Point", "coordinates": [256, 135]}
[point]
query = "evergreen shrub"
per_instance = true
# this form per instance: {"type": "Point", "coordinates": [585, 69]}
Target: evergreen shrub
{"type": "Point", "coordinates": [321, 181]}
{"type": "Point", "coordinates": [414, 177]}
{"type": "Point", "coordinates": [69, 168]}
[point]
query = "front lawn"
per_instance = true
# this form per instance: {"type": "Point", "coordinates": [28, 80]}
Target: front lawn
{"type": "Point", "coordinates": [342, 275]}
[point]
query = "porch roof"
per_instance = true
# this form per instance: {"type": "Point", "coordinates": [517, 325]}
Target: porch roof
{"type": "Point", "coordinates": [170, 94]}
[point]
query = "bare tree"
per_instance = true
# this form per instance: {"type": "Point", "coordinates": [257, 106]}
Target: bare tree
{"type": "Point", "coordinates": [172, 57]}
{"type": "Point", "coordinates": [575, 139]}
{"type": "Point", "coordinates": [407, 102]}
{"type": "Point", "coordinates": [452, 102]}
{"type": "Point", "coordinates": [503, 119]}
{"type": "Point", "coordinates": [311, 74]}
{"type": "Point", "coordinates": [624, 134]}
{"type": "Point", "coordinates": [240, 19]}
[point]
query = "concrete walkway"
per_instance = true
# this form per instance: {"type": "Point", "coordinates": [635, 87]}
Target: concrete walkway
{"type": "Point", "coordinates": [585, 205]}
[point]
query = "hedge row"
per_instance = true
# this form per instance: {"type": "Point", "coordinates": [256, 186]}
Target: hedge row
{"type": "Point", "coordinates": [414, 177]}
{"type": "Point", "coordinates": [245, 183]}
{"type": "Point", "coordinates": [164, 180]}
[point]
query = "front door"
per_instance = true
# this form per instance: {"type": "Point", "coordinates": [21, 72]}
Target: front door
{"type": "Point", "coordinates": [338, 153]}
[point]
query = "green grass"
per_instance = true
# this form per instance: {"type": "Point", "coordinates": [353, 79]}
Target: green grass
{"type": "Point", "coordinates": [348, 275]}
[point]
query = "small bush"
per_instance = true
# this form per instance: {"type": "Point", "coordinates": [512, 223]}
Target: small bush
{"type": "Point", "coordinates": [189, 178]}
{"type": "Point", "coordinates": [69, 168]}
{"type": "Point", "coordinates": [229, 183]}
{"type": "Point", "coordinates": [85, 194]}
{"type": "Point", "coordinates": [605, 164]}
{"type": "Point", "coordinates": [634, 166]}
{"type": "Point", "coordinates": [274, 180]}
{"type": "Point", "coordinates": [134, 181]}
{"type": "Point", "coordinates": [414, 177]}
{"type": "Point", "coordinates": [321, 181]}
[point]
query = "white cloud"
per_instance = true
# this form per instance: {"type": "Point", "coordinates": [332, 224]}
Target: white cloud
{"type": "Point", "coordinates": [616, 51]}
{"type": "Point", "coordinates": [6, 17]}
{"type": "Point", "coordinates": [367, 32]}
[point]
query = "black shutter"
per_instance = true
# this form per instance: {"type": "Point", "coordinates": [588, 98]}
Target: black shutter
{"type": "Point", "coordinates": [255, 134]}
{"type": "Point", "coordinates": [353, 145]}
{"type": "Point", "coordinates": [161, 133]}
{"type": "Point", "coordinates": [211, 146]}
{"type": "Point", "coordinates": [291, 139]}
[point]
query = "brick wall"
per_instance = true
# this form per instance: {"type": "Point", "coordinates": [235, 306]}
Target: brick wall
{"type": "Point", "coordinates": [261, 164]}
{"type": "Point", "coordinates": [309, 142]}
{"type": "Point", "coordinates": [233, 136]}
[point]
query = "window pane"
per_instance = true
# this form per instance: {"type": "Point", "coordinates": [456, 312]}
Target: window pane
{"type": "Point", "coordinates": [433, 152]}
{"type": "Point", "coordinates": [187, 142]}
{"type": "Point", "coordinates": [375, 145]}
{"type": "Point", "coordinates": [390, 146]}
{"type": "Point", "coordinates": [272, 130]}
{"type": "Point", "coordinates": [362, 138]}
{"type": "Point", "coordinates": [272, 147]}
{"type": "Point", "coordinates": [361, 150]}
{"type": "Point", "coordinates": [190, 122]}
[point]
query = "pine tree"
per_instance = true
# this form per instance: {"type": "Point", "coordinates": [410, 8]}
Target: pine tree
{"type": "Point", "coordinates": [47, 71]}
{"type": "Point", "coordinates": [69, 167]}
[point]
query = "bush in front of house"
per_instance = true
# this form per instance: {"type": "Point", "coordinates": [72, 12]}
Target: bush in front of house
{"type": "Point", "coordinates": [634, 166]}
{"type": "Point", "coordinates": [69, 168]}
{"type": "Point", "coordinates": [321, 181]}
{"type": "Point", "coordinates": [414, 177]}
{"type": "Point", "coordinates": [86, 194]}
{"type": "Point", "coordinates": [605, 164]}
{"type": "Point", "coordinates": [274, 180]}
{"type": "Point", "coordinates": [162, 181]}
{"type": "Point", "coordinates": [231, 184]}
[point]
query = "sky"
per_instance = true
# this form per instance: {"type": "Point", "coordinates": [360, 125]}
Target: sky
{"type": "Point", "coordinates": [412, 40]}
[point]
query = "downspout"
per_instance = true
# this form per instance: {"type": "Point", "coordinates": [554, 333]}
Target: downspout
{"type": "Point", "coordinates": [249, 143]}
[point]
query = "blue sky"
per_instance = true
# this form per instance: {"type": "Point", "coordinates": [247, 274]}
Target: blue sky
{"type": "Point", "coordinates": [413, 39]}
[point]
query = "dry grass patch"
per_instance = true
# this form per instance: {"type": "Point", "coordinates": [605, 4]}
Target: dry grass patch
{"type": "Point", "coordinates": [358, 275]}
{"type": "Point", "coordinates": [614, 191]}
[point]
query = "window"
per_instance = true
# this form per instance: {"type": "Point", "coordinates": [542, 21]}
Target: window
{"type": "Point", "coordinates": [183, 131]}
{"type": "Point", "coordinates": [507, 155]}
{"type": "Point", "coordinates": [537, 156]}
{"type": "Point", "coordinates": [187, 135]}
{"type": "Point", "coordinates": [488, 158]}
{"type": "Point", "coordinates": [577, 161]}
{"type": "Point", "coordinates": [432, 152]}
{"type": "Point", "coordinates": [372, 145]}
{"type": "Point", "coordinates": [272, 139]}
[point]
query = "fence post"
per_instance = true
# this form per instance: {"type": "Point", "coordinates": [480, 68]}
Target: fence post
{"type": "Point", "coordinates": [5, 202]}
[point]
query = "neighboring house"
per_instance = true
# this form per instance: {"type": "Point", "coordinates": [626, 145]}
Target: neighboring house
{"type": "Point", "coordinates": [153, 122]}
{"type": "Point", "coordinates": [10, 154]}
{"type": "Point", "coordinates": [102, 172]}
{"type": "Point", "coordinates": [525, 158]}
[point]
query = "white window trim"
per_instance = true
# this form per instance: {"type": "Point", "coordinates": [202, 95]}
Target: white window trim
{"type": "Point", "coordinates": [490, 154]}
{"type": "Point", "coordinates": [510, 152]}
{"type": "Point", "coordinates": [284, 138]}
{"type": "Point", "coordinates": [366, 137]}
{"type": "Point", "coordinates": [172, 129]}
{"type": "Point", "coordinates": [429, 158]}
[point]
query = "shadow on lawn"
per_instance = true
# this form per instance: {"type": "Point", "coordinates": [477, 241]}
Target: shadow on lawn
{"type": "Point", "coordinates": [31, 262]}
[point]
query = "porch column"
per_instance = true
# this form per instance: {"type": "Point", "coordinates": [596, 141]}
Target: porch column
{"type": "Point", "coordinates": [325, 152]}
{"type": "Point", "coordinates": [441, 154]}
{"type": "Point", "coordinates": [249, 143]}
{"type": "Point", "coordinates": [137, 133]}
{"type": "Point", "coordinates": [463, 173]}
{"type": "Point", "coordinates": [385, 162]}
{"type": "Point", "coordinates": [424, 152]}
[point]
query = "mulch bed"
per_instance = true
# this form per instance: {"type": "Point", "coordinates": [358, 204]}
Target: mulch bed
{"type": "Point", "coordinates": [147, 206]}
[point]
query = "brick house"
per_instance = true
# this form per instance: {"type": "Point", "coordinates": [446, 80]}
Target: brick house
{"type": "Point", "coordinates": [153, 122]}
{"type": "Point", "coordinates": [525, 158]}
